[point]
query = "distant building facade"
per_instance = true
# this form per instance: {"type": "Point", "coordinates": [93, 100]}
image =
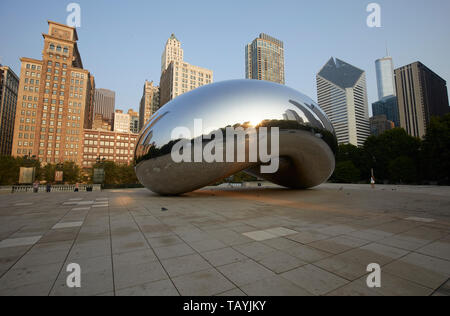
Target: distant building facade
{"type": "Point", "coordinates": [9, 87]}
{"type": "Point", "coordinates": [54, 96]}
{"type": "Point", "coordinates": [107, 145]}
{"type": "Point", "coordinates": [134, 121]}
{"type": "Point", "coordinates": [121, 122]}
{"type": "Point", "coordinates": [181, 77]}
{"type": "Point", "coordinates": [105, 103]}
{"type": "Point", "coordinates": [385, 77]}
{"type": "Point", "coordinates": [149, 103]}
{"type": "Point", "coordinates": [387, 106]}
{"type": "Point", "coordinates": [101, 124]}
{"type": "Point", "coordinates": [380, 124]}
{"type": "Point", "coordinates": [178, 76]}
{"type": "Point", "coordinates": [342, 94]}
{"type": "Point", "coordinates": [421, 94]}
{"type": "Point", "coordinates": [264, 59]}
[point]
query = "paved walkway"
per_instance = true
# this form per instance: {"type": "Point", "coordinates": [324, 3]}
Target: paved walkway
{"type": "Point", "coordinates": [266, 241]}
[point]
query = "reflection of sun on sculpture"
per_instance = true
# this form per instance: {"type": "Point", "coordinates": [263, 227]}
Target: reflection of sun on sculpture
{"type": "Point", "coordinates": [307, 142]}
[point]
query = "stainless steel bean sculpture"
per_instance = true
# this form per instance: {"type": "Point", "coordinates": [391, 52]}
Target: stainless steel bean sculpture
{"type": "Point", "coordinates": [307, 142]}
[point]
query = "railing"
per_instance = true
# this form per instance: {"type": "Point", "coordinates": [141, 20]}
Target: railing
{"type": "Point", "coordinates": [55, 188]}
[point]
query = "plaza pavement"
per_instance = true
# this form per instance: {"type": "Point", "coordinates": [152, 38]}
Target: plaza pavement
{"type": "Point", "coordinates": [228, 241]}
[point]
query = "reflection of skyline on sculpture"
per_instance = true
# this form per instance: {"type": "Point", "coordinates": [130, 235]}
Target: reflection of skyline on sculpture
{"type": "Point", "coordinates": [253, 112]}
{"type": "Point", "coordinates": [307, 142]}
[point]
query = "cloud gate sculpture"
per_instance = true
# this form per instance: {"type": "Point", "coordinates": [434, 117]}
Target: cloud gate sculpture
{"type": "Point", "coordinates": [245, 125]}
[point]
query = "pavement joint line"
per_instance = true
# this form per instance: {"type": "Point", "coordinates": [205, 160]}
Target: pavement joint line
{"type": "Point", "coordinates": [151, 247]}
{"type": "Point", "coordinates": [112, 254]}
{"type": "Point", "coordinates": [64, 261]}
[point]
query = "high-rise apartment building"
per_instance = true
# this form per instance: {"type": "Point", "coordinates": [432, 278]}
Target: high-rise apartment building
{"type": "Point", "coordinates": [387, 106]}
{"type": "Point", "coordinates": [421, 94]}
{"type": "Point", "coordinates": [172, 52]}
{"type": "Point", "coordinates": [385, 77]}
{"type": "Point", "coordinates": [264, 59]}
{"type": "Point", "coordinates": [149, 103]}
{"type": "Point", "coordinates": [54, 97]}
{"type": "Point", "coordinates": [121, 122]}
{"type": "Point", "coordinates": [104, 103]}
{"type": "Point", "coordinates": [9, 86]}
{"type": "Point", "coordinates": [342, 94]}
{"type": "Point", "coordinates": [178, 76]}
{"type": "Point", "coordinates": [181, 77]}
{"type": "Point", "coordinates": [134, 121]}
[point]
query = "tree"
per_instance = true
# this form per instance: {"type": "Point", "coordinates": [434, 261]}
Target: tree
{"type": "Point", "coordinates": [71, 172]}
{"type": "Point", "coordinates": [435, 158]}
{"type": "Point", "coordinates": [117, 174]}
{"type": "Point", "coordinates": [358, 156]}
{"type": "Point", "coordinates": [389, 146]}
{"type": "Point", "coordinates": [48, 173]}
{"type": "Point", "coordinates": [402, 170]}
{"type": "Point", "coordinates": [10, 168]}
{"type": "Point", "coordinates": [346, 172]}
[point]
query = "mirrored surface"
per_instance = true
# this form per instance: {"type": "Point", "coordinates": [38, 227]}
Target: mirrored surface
{"type": "Point", "coordinates": [307, 139]}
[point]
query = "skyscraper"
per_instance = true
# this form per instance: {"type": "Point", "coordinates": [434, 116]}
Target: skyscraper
{"type": "Point", "coordinates": [178, 76]}
{"type": "Point", "coordinates": [342, 94]}
{"type": "Point", "coordinates": [54, 97]}
{"type": "Point", "coordinates": [421, 95]}
{"type": "Point", "coordinates": [172, 52]}
{"type": "Point", "coordinates": [387, 106]}
{"type": "Point", "coordinates": [385, 77]}
{"type": "Point", "coordinates": [9, 86]}
{"type": "Point", "coordinates": [264, 59]}
{"type": "Point", "coordinates": [149, 103]}
{"type": "Point", "coordinates": [105, 103]}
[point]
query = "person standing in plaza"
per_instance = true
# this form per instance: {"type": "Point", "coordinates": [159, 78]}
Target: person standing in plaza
{"type": "Point", "coordinates": [36, 186]}
{"type": "Point", "coordinates": [49, 187]}
{"type": "Point", "coordinates": [372, 182]}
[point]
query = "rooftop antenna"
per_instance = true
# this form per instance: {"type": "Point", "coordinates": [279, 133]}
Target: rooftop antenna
{"type": "Point", "coordinates": [387, 52]}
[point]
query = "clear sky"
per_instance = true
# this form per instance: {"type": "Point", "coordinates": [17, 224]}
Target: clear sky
{"type": "Point", "coordinates": [121, 42]}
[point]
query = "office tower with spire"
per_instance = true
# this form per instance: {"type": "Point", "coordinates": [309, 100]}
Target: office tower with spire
{"type": "Point", "coordinates": [342, 94]}
{"type": "Point", "coordinates": [177, 75]}
{"type": "Point", "coordinates": [264, 59]}
{"type": "Point", "coordinates": [387, 104]}
{"type": "Point", "coordinates": [385, 77]}
{"type": "Point", "coordinates": [172, 52]}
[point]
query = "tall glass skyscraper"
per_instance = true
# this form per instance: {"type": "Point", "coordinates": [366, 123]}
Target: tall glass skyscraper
{"type": "Point", "coordinates": [385, 77]}
{"type": "Point", "coordinates": [342, 94]}
{"type": "Point", "coordinates": [387, 106]}
{"type": "Point", "coordinates": [264, 59]}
